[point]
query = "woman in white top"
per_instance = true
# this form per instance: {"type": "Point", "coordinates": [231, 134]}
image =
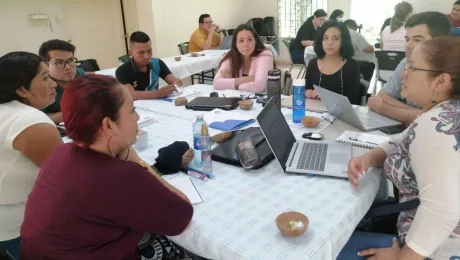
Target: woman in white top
{"type": "Point", "coordinates": [423, 162]}
{"type": "Point", "coordinates": [393, 36]}
{"type": "Point", "coordinates": [27, 137]}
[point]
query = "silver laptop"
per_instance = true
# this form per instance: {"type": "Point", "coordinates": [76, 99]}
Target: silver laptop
{"type": "Point", "coordinates": [226, 42]}
{"type": "Point", "coordinates": [302, 157]}
{"type": "Point", "coordinates": [361, 117]}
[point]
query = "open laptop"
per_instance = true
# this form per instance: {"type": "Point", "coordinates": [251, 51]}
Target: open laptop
{"type": "Point", "coordinates": [302, 157]}
{"type": "Point", "coordinates": [226, 42]}
{"type": "Point", "coordinates": [361, 117]}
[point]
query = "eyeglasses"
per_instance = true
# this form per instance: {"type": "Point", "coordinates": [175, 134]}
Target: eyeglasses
{"type": "Point", "coordinates": [208, 22]}
{"type": "Point", "coordinates": [60, 64]}
{"type": "Point", "coordinates": [409, 68]}
{"type": "Point", "coordinates": [246, 97]}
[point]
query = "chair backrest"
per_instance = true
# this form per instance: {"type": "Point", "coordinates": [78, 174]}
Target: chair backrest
{"type": "Point", "coordinates": [123, 59]}
{"type": "Point", "coordinates": [183, 48]}
{"type": "Point", "coordinates": [224, 32]}
{"type": "Point", "coordinates": [285, 48]}
{"type": "Point", "coordinates": [89, 65]}
{"type": "Point", "coordinates": [387, 61]}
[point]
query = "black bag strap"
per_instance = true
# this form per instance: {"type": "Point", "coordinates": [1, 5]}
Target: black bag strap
{"type": "Point", "coordinates": [392, 209]}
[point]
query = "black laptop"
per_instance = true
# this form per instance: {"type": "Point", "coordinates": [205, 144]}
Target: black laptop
{"type": "Point", "coordinates": [211, 103]}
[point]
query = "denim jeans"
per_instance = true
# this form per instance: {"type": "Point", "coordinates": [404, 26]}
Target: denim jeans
{"type": "Point", "coordinates": [363, 240]}
{"type": "Point", "coordinates": [12, 246]}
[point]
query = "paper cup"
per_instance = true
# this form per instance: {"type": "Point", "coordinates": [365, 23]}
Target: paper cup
{"type": "Point", "coordinates": [142, 140]}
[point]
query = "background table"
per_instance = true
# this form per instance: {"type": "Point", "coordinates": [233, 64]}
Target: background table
{"type": "Point", "coordinates": [237, 218]}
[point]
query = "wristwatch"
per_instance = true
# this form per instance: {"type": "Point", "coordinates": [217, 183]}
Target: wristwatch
{"type": "Point", "coordinates": [147, 166]}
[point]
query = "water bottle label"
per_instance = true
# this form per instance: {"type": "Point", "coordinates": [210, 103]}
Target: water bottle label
{"type": "Point", "coordinates": [197, 142]}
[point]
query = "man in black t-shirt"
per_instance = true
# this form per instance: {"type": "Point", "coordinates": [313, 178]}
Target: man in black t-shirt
{"type": "Point", "coordinates": [306, 35]}
{"type": "Point", "coordinates": [141, 73]}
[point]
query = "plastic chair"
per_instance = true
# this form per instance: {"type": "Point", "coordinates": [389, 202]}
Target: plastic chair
{"type": "Point", "coordinates": [123, 59]}
{"type": "Point", "coordinates": [303, 67]}
{"type": "Point", "coordinates": [387, 61]}
{"type": "Point", "coordinates": [183, 48]}
{"type": "Point", "coordinates": [89, 65]}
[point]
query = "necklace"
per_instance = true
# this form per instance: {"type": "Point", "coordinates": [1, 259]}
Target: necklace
{"type": "Point", "coordinates": [341, 78]}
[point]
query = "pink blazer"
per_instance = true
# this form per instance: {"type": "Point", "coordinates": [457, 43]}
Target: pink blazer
{"type": "Point", "coordinates": [259, 68]}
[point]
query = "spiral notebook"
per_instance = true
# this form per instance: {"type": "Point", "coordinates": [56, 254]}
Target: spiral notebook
{"type": "Point", "coordinates": [361, 139]}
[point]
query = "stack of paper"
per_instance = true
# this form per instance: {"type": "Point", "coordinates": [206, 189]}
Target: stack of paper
{"type": "Point", "coordinates": [145, 118]}
{"type": "Point", "coordinates": [184, 184]}
{"type": "Point", "coordinates": [186, 93]}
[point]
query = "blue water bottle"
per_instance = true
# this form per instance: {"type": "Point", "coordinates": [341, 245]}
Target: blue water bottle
{"type": "Point", "coordinates": [298, 100]}
{"type": "Point", "coordinates": [197, 140]}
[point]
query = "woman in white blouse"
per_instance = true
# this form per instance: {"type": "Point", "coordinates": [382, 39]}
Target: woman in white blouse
{"type": "Point", "coordinates": [393, 36]}
{"type": "Point", "coordinates": [423, 162]}
{"type": "Point", "coordinates": [27, 137]}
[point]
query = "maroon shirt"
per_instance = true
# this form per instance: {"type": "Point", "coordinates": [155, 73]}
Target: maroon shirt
{"type": "Point", "coordinates": [88, 205]}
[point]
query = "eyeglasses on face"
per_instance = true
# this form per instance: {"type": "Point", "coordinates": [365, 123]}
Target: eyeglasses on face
{"type": "Point", "coordinates": [409, 68]}
{"type": "Point", "coordinates": [60, 64]}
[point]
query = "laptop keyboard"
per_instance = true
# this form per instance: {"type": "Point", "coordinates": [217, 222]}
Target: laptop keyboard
{"type": "Point", "coordinates": [313, 157]}
{"type": "Point", "coordinates": [369, 122]}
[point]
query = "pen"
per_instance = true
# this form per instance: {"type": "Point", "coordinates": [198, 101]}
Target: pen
{"type": "Point", "coordinates": [197, 175]}
{"type": "Point", "coordinates": [328, 120]}
{"type": "Point", "coordinates": [177, 88]}
{"type": "Point", "coordinates": [210, 176]}
{"type": "Point", "coordinates": [357, 140]}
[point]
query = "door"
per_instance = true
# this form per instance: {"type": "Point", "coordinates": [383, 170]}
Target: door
{"type": "Point", "coordinates": [95, 27]}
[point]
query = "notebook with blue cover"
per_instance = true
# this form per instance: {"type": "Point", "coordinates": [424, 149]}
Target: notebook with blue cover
{"type": "Point", "coordinates": [228, 121]}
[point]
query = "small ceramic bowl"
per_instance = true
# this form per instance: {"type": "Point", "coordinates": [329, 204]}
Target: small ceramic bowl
{"type": "Point", "coordinates": [178, 58]}
{"type": "Point", "coordinates": [282, 222]}
{"type": "Point", "coordinates": [310, 121]}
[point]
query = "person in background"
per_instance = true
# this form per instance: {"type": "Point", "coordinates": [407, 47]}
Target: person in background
{"type": "Point", "coordinates": [246, 65]}
{"type": "Point", "coordinates": [95, 198]}
{"type": "Point", "coordinates": [385, 24]}
{"type": "Point", "coordinates": [337, 16]}
{"type": "Point", "coordinates": [306, 35]}
{"type": "Point", "coordinates": [60, 56]}
{"type": "Point", "coordinates": [364, 51]}
{"type": "Point", "coordinates": [27, 137]}
{"type": "Point", "coordinates": [392, 37]}
{"type": "Point", "coordinates": [389, 102]}
{"type": "Point", "coordinates": [208, 36]}
{"type": "Point", "coordinates": [423, 162]}
{"type": "Point", "coordinates": [334, 69]}
{"type": "Point", "coordinates": [454, 16]}
{"type": "Point", "coordinates": [142, 73]}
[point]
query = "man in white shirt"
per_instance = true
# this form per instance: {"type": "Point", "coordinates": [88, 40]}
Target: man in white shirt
{"type": "Point", "coordinates": [364, 51]}
{"type": "Point", "coordinates": [420, 28]}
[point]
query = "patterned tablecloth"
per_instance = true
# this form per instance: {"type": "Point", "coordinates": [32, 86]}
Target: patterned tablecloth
{"type": "Point", "coordinates": [237, 218]}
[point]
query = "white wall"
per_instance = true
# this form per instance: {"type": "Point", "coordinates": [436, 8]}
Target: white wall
{"type": "Point", "coordinates": [175, 20]}
{"type": "Point", "coordinates": [18, 33]}
{"type": "Point", "coordinates": [443, 6]}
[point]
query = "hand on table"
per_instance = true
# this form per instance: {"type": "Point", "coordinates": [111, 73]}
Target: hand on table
{"type": "Point", "coordinates": [187, 157]}
{"type": "Point", "coordinates": [356, 168]}
{"type": "Point", "coordinates": [166, 91]}
{"type": "Point", "coordinates": [312, 94]}
{"type": "Point", "coordinates": [382, 253]}
{"type": "Point", "coordinates": [376, 103]}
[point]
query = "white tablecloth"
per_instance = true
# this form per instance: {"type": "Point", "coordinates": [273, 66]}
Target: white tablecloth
{"type": "Point", "coordinates": [237, 218]}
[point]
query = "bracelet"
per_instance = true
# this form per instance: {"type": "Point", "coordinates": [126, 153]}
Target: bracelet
{"type": "Point", "coordinates": [147, 166]}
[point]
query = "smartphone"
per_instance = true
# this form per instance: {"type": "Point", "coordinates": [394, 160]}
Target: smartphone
{"type": "Point", "coordinates": [391, 130]}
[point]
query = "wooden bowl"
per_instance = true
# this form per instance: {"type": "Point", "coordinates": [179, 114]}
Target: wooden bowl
{"type": "Point", "coordinates": [180, 101]}
{"type": "Point", "coordinates": [246, 104]}
{"type": "Point", "coordinates": [178, 58]}
{"type": "Point", "coordinates": [194, 54]}
{"type": "Point", "coordinates": [222, 137]}
{"type": "Point", "coordinates": [310, 121]}
{"type": "Point", "coordinates": [282, 222]}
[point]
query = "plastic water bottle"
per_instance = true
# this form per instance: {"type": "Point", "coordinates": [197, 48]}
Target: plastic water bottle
{"type": "Point", "coordinates": [298, 100]}
{"type": "Point", "coordinates": [206, 159]}
{"type": "Point", "coordinates": [197, 140]}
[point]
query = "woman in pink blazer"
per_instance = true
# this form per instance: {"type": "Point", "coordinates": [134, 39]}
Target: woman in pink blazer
{"type": "Point", "coordinates": [246, 65]}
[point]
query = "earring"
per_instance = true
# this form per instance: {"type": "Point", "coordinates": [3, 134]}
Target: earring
{"type": "Point", "coordinates": [433, 99]}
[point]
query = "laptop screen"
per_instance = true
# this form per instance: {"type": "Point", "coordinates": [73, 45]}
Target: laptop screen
{"type": "Point", "coordinates": [277, 132]}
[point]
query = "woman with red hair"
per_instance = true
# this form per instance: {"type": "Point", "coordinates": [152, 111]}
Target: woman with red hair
{"type": "Point", "coordinates": [95, 198]}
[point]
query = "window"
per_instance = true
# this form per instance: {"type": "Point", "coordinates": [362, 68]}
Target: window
{"type": "Point", "coordinates": [365, 12]}
{"type": "Point", "coordinates": [293, 13]}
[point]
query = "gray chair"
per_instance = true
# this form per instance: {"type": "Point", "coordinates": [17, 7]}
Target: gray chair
{"type": "Point", "coordinates": [202, 76]}
{"type": "Point", "coordinates": [303, 67]}
{"type": "Point", "coordinates": [123, 58]}
{"type": "Point", "coordinates": [387, 61]}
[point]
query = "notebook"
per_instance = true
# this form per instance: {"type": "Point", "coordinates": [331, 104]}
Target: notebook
{"type": "Point", "coordinates": [183, 183]}
{"type": "Point", "coordinates": [312, 105]}
{"type": "Point", "coordinates": [361, 139]}
{"type": "Point", "coordinates": [186, 93]}
{"type": "Point", "coordinates": [227, 121]}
